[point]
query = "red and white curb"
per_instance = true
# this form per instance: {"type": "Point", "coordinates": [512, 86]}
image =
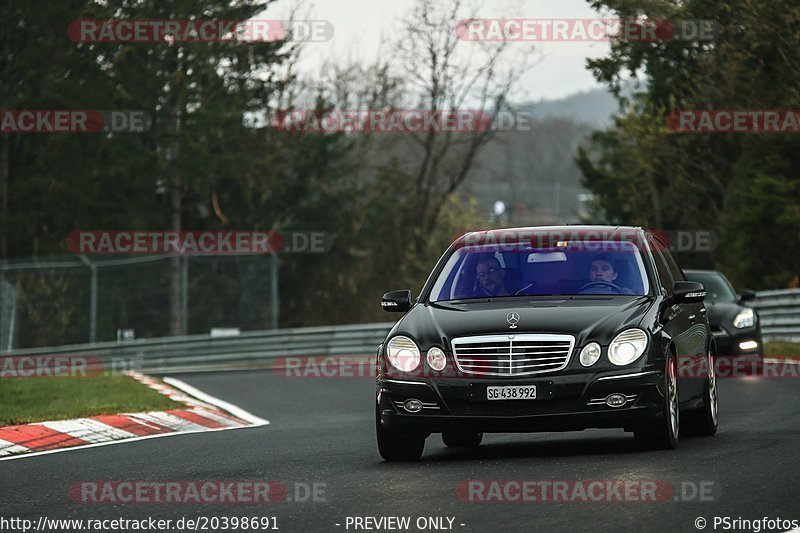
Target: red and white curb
{"type": "Point", "coordinates": [202, 413]}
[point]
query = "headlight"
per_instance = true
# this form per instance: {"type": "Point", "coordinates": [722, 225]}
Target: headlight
{"type": "Point", "coordinates": [627, 347]}
{"type": "Point", "coordinates": [590, 354]}
{"type": "Point", "coordinates": [403, 353]}
{"type": "Point", "coordinates": [745, 319]}
{"type": "Point", "coordinates": [436, 359]}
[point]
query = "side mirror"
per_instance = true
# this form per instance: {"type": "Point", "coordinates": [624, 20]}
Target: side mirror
{"type": "Point", "coordinates": [747, 295]}
{"type": "Point", "coordinates": [397, 301]}
{"type": "Point", "coordinates": [686, 292]}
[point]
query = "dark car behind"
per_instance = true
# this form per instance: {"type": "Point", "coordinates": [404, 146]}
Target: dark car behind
{"type": "Point", "coordinates": [735, 325]}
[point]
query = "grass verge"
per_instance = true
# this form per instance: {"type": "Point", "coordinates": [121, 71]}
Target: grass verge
{"type": "Point", "coordinates": [58, 398]}
{"type": "Point", "coordinates": [779, 349]}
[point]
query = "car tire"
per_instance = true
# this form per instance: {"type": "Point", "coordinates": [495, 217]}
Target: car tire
{"type": "Point", "coordinates": [397, 447]}
{"type": "Point", "coordinates": [704, 421]}
{"type": "Point", "coordinates": [663, 435]}
{"type": "Point", "coordinates": [462, 439]}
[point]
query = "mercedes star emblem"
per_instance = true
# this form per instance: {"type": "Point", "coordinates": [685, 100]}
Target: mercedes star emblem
{"type": "Point", "coordinates": [513, 318]}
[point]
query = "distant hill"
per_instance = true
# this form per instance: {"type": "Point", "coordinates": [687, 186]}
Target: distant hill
{"type": "Point", "coordinates": [593, 107]}
{"type": "Point", "coordinates": [534, 172]}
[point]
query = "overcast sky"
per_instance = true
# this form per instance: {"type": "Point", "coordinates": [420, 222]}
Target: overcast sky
{"type": "Point", "coordinates": [360, 26]}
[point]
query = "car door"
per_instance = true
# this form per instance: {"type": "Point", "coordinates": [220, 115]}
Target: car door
{"type": "Point", "coordinates": [675, 319]}
{"type": "Point", "coordinates": [698, 335]}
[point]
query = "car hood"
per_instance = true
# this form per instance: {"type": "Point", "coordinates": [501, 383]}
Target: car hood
{"type": "Point", "coordinates": [720, 314]}
{"type": "Point", "coordinates": [587, 318]}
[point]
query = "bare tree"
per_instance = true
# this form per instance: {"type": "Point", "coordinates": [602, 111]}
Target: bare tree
{"type": "Point", "coordinates": [444, 73]}
{"type": "Point", "coordinates": [401, 190]}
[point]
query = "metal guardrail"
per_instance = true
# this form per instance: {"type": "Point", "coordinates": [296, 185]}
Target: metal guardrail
{"type": "Point", "coordinates": [779, 313]}
{"type": "Point", "coordinates": [257, 349]}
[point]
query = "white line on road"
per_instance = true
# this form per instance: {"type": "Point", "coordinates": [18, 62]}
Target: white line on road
{"type": "Point", "coordinates": [235, 410]}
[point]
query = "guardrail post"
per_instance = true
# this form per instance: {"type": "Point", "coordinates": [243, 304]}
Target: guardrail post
{"type": "Point", "coordinates": [185, 295]}
{"type": "Point", "coordinates": [92, 299]}
{"type": "Point", "coordinates": [93, 306]}
{"type": "Point", "coordinates": [273, 281]}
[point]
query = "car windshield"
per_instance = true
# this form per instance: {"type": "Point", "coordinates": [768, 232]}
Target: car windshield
{"type": "Point", "coordinates": [602, 267]}
{"type": "Point", "coordinates": [717, 288]}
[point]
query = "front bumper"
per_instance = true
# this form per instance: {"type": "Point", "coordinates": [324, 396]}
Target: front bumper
{"type": "Point", "coordinates": [732, 342]}
{"type": "Point", "coordinates": [565, 403]}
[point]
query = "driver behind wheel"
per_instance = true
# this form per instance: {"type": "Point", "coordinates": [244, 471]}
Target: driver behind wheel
{"type": "Point", "coordinates": [602, 269]}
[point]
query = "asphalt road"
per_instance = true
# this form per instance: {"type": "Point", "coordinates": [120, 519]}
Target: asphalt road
{"type": "Point", "coordinates": [322, 431]}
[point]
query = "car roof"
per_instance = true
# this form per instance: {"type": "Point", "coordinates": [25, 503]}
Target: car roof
{"type": "Point", "coordinates": [577, 230]}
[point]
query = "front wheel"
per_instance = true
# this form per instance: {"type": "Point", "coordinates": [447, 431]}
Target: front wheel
{"type": "Point", "coordinates": [704, 421]}
{"type": "Point", "coordinates": [397, 447]}
{"type": "Point", "coordinates": [663, 435]}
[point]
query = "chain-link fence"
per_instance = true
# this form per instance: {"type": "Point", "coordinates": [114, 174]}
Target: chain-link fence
{"type": "Point", "coordinates": [78, 300]}
{"type": "Point", "coordinates": [8, 314]}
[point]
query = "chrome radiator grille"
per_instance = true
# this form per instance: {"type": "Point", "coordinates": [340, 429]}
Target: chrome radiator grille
{"type": "Point", "coordinates": [512, 355]}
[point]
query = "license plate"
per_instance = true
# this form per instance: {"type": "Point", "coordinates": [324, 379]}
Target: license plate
{"type": "Point", "coordinates": [511, 392]}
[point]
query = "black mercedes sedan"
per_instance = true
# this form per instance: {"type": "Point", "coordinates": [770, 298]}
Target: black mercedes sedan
{"type": "Point", "coordinates": [734, 324]}
{"type": "Point", "coordinates": [547, 329]}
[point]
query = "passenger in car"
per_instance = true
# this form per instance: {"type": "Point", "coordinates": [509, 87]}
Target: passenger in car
{"type": "Point", "coordinates": [491, 277]}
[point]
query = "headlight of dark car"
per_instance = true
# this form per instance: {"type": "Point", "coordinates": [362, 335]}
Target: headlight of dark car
{"type": "Point", "coordinates": [436, 359]}
{"type": "Point", "coordinates": [590, 354]}
{"type": "Point", "coordinates": [745, 319]}
{"type": "Point", "coordinates": [627, 347]}
{"type": "Point", "coordinates": [403, 353]}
